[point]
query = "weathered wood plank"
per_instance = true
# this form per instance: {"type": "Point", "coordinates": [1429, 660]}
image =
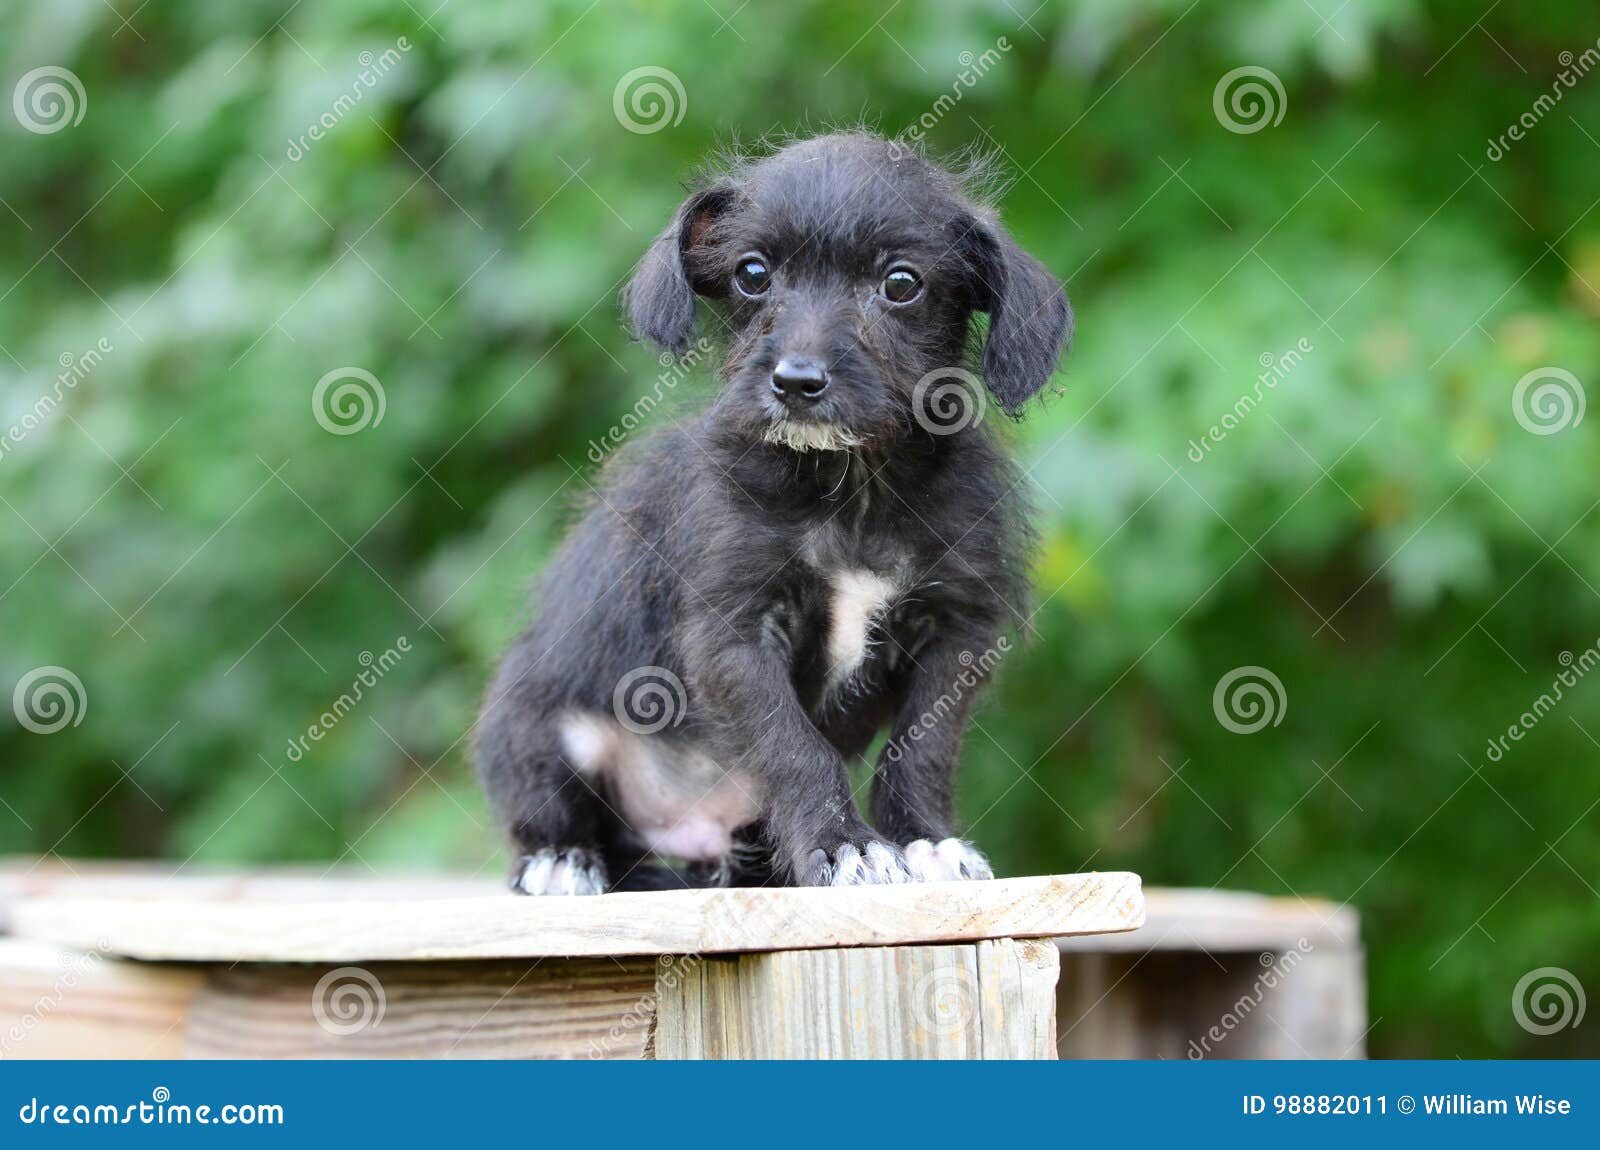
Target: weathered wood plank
{"type": "Point", "coordinates": [1229, 921]}
{"type": "Point", "coordinates": [546, 1008]}
{"type": "Point", "coordinates": [57, 1003]}
{"type": "Point", "coordinates": [1014, 978]}
{"type": "Point", "coordinates": [992, 999]}
{"type": "Point", "coordinates": [176, 925]}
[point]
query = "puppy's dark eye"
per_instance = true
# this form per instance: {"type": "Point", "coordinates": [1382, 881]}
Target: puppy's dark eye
{"type": "Point", "coordinates": [902, 285]}
{"type": "Point", "coordinates": [752, 277]}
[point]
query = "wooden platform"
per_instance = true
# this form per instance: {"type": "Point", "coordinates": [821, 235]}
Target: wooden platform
{"type": "Point", "coordinates": [138, 962]}
{"type": "Point", "coordinates": [120, 960]}
{"type": "Point", "coordinates": [201, 921]}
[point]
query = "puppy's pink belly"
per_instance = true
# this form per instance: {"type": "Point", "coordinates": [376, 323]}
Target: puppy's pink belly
{"type": "Point", "coordinates": [676, 800]}
{"type": "Point", "coordinates": [693, 837]}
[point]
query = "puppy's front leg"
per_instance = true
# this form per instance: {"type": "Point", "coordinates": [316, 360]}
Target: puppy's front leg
{"type": "Point", "coordinates": [818, 835]}
{"type": "Point", "coordinates": [913, 785]}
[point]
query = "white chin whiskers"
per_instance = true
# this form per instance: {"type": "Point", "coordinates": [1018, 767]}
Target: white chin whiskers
{"type": "Point", "coordinates": [798, 436]}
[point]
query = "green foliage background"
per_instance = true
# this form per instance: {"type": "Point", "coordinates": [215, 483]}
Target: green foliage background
{"type": "Point", "coordinates": [1381, 533]}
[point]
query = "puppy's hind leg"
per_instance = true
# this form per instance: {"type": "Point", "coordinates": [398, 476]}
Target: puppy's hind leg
{"type": "Point", "coordinates": [556, 820]}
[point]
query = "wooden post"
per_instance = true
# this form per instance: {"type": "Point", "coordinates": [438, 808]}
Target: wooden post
{"type": "Point", "coordinates": [992, 999]}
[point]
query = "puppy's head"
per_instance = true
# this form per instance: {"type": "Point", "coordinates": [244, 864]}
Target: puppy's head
{"type": "Point", "coordinates": [845, 270]}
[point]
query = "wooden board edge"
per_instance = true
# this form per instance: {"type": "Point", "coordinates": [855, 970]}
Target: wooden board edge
{"type": "Point", "coordinates": [725, 921]}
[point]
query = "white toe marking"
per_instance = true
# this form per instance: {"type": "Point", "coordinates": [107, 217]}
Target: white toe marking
{"type": "Point", "coordinates": [878, 865]}
{"type": "Point", "coordinates": [848, 868]}
{"type": "Point", "coordinates": [553, 872]}
{"type": "Point", "coordinates": [885, 865]}
{"type": "Point", "coordinates": [949, 860]}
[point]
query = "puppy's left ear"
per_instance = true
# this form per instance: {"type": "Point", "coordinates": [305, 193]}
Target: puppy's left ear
{"type": "Point", "coordinates": [1030, 320]}
{"type": "Point", "coordinates": [659, 300]}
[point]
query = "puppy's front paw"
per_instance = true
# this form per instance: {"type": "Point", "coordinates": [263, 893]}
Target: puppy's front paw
{"type": "Point", "coordinates": [946, 860]}
{"type": "Point", "coordinates": [557, 870]}
{"type": "Point", "coordinates": [874, 863]}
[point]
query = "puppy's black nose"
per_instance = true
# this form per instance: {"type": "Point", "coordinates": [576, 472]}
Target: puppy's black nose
{"type": "Point", "coordinates": [796, 378]}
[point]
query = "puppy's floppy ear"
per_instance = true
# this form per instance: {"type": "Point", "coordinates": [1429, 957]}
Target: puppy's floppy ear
{"type": "Point", "coordinates": [1030, 320]}
{"type": "Point", "coordinates": [659, 300]}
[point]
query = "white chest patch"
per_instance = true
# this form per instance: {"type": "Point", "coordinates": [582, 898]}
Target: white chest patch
{"type": "Point", "coordinates": [860, 599]}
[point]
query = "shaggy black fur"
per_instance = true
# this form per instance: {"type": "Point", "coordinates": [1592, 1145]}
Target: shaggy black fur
{"type": "Point", "coordinates": [715, 547]}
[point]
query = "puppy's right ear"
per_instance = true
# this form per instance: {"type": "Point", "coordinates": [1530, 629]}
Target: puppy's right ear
{"type": "Point", "coordinates": [659, 301]}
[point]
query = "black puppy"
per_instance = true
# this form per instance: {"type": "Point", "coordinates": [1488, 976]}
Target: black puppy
{"type": "Point", "coordinates": [823, 553]}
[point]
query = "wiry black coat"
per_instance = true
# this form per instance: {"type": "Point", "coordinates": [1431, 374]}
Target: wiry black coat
{"type": "Point", "coordinates": [717, 549]}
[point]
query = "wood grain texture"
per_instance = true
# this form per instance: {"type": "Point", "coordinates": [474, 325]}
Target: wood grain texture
{"type": "Point", "coordinates": [546, 1008]}
{"type": "Point", "coordinates": [1230, 922]}
{"type": "Point", "coordinates": [57, 1003]}
{"type": "Point", "coordinates": [992, 999]}
{"type": "Point", "coordinates": [177, 923]}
